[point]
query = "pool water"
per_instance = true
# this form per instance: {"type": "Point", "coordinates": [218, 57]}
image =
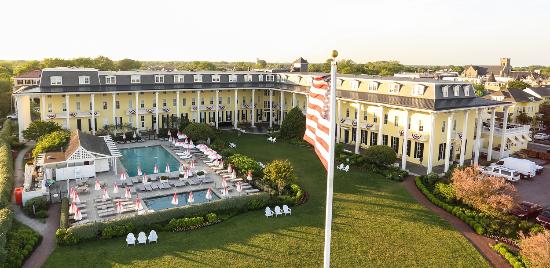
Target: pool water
{"type": "Point", "coordinates": [146, 158]}
{"type": "Point", "coordinates": [164, 202]}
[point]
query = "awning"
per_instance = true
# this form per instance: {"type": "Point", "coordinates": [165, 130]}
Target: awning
{"type": "Point", "coordinates": [526, 137]}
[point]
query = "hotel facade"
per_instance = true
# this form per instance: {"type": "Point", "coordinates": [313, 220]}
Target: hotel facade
{"type": "Point", "coordinates": [429, 123]}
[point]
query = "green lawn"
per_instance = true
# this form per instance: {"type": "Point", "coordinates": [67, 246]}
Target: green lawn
{"type": "Point", "coordinates": [376, 223]}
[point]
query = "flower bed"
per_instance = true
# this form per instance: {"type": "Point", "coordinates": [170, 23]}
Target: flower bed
{"type": "Point", "coordinates": [20, 243]}
{"type": "Point", "coordinates": [515, 260]}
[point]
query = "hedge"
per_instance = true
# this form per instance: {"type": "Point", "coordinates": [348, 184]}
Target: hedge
{"type": "Point", "coordinates": [146, 222]}
{"type": "Point", "coordinates": [6, 174]}
{"type": "Point", "coordinates": [514, 260]}
{"type": "Point", "coordinates": [455, 210]}
{"type": "Point", "coordinates": [6, 219]}
{"type": "Point", "coordinates": [64, 218]}
{"type": "Point", "coordinates": [21, 242]}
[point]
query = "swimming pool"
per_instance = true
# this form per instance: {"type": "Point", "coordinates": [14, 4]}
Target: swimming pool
{"type": "Point", "coordinates": [146, 158]}
{"type": "Point", "coordinates": [164, 202]}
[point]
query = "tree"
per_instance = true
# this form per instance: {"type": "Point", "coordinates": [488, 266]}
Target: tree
{"type": "Point", "coordinates": [103, 63]}
{"type": "Point", "coordinates": [517, 84]}
{"type": "Point", "coordinates": [37, 129]}
{"type": "Point", "coordinates": [544, 109]}
{"type": "Point", "coordinates": [51, 142]}
{"type": "Point", "coordinates": [294, 124]}
{"type": "Point", "coordinates": [490, 195]}
{"type": "Point", "coordinates": [379, 155]}
{"type": "Point", "coordinates": [280, 173]}
{"type": "Point", "coordinates": [184, 121]}
{"type": "Point", "coordinates": [536, 249]}
{"type": "Point", "coordinates": [479, 90]}
{"type": "Point", "coordinates": [261, 64]}
{"type": "Point", "coordinates": [199, 132]}
{"type": "Point", "coordinates": [523, 119]}
{"type": "Point", "coordinates": [128, 64]}
{"type": "Point", "coordinates": [27, 67]}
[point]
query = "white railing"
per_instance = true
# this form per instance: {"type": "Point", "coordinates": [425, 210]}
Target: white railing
{"type": "Point", "coordinates": [510, 130]}
{"type": "Point", "coordinates": [77, 114]}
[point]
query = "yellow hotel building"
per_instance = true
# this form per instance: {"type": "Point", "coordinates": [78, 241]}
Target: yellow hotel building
{"type": "Point", "coordinates": [429, 123]}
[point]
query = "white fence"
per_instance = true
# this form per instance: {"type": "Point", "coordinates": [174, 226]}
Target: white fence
{"type": "Point", "coordinates": [71, 173]}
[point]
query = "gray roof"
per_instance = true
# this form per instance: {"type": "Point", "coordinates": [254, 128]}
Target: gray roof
{"type": "Point", "coordinates": [521, 96]}
{"type": "Point", "coordinates": [543, 91]}
{"type": "Point", "coordinates": [93, 144]}
{"type": "Point", "coordinates": [487, 69]}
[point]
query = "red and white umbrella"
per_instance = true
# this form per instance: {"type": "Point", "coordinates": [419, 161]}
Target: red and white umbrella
{"type": "Point", "coordinates": [105, 195]}
{"type": "Point", "coordinates": [76, 199]}
{"type": "Point", "coordinates": [224, 182]}
{"type": "Point", "coordinates": [156, 169]}
{"type": "Point", "coordinates": [144, 179]}
{"type": "Point", "coordinates": [122, 176]}
{"type": "Point", "coordinates": [139, 172]}
{"type": "Point", "coordinates": [225, 192]}
{"type": "Point", "coordinates": [220, 165]}
{"type": "Point", "coordinates": [139, 206]}
{"type": "Point", "coordinates": [167, 168]}
{"type": "Point", "coordinates": [209, 194]}
{"type": "Point", "coordinates": [115, 189]}
{"type": "Point", "coordinates": [118, 207]}
{"type": "Point", "coordinates": [97, 185]}
{"type": "Point", "coordinates": [229, 168]}
{"type": "Point", "coordinates": [186, 174]}
{"type": "Point", "coordinates": [72, 208]}
{"type": "Point", "coordinates": [239, 187]}
{"type": "Point", "coordinates": [249, 176]}
{"type": "Point", "coordinates": [190, 199]}
{"type": "Point", "coordinates": [127, 193]}
{"type": "Point", "coordinates": [78, 215]}
{"type": "Point", "coordinates": [175, 200]}
{"type": "Point", "coordinates": [234, 174]}
{"type": "Point", "coordinates": [181, 168]}
{"type": "Point", "coordinates": [71, 193]}
{"type": "Point", "coordinates": [192, 163]}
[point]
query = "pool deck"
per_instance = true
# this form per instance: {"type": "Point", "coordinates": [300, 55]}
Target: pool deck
{"type": "Point", "coordinates": [95, 209]}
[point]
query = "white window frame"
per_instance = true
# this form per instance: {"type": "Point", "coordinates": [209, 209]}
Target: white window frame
{"type": "Point", "coordinates": [197, 78]}
{"type": "Point", "coordinates": [456, 90]}
{"type": "Point", "coordinates": [56, 80]}
{"type": "Point", "coordinates": [248, 78]}
{"type": "Point", "coordinates": [354, 84]}
{"type": "Point", "coordinates": [270, 78]}
{"type": "Point", "coordinates": [418, 90]}
{"type": "Point", "coordinates": [260, 77]}
{"type": "Point", "coordinates": [216, 78]}
{"type": "Point", "coordinates": [445, 91]}
{"type": "Point", "coordinates": [394, 88]}
{"type": "Point", "coordinates": [110, 80]}
{"type": "Point", "coordinates": [373, 86]}
{"type": "Point", "coordinates": [135, 79]}
{"type": "Point", "coordinates": [179, 78]}
{"type": "Point", "coordinates": [232, 78]}
{"type": "Point", "coordinates": [159, 79]}
{"type": "Point", "coordinates": [83, 80]}
{"type": "Point", "coordinates": [467, 90]}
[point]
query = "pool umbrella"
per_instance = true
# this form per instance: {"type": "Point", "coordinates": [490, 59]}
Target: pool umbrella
{"type": "Point", "coordinates": [209, 194]}
{"type": "Point", "coordinates": [239, 187]}
{"type": "Point", "coordinates": [76, 198]}
{"type": "Point", "coordinates": [175, 199]}
{"type": "Point", "coordinates": [234, 174]}
{"type": "Point", "coordinates": [170, 139]}
{"type": "Point", "coordinates": [118, 207]}
{"type": "Point", "coordinates": [221, 164]}
{"type": "Point", "coordinates": [144, 179]}
{"type": "Point", "coordinates": [139, 172]}
{"type": "Point", "coordinates": [72, 208]}
{"type": "Point", "coordinates": [135, 135]}
{"type": "Point", "coordinates": [225, 192]}
{"type": "Point", "coordinates": [139, 206]}
{"type": "Point", "coordinates": [186, 174]}
{"type": "Point", "coordinates": [167, 168]}
{"type": "Point", "coordinates": [169, 133]}
{"type": "Point", "coordinates": [190, 199]}
{"type": "Point", "coordinates": [105, 195]}
{"type": "Point", "coordinates": [229, 168]}
{"type": "Point", "coordinates": [124, 136]}
{"type": "Point", "coordinates": [71, 193]}
{"type": "Point", "coordinates": [122, 176]}
{"type": "Point", "coordinates": [156, 169]}
{"type": "Point", "coordinates": [191, 142]}
{"type": "Point", "coordinates": [181, 169]}
{"type": "Point", "coordinates": [97, 185]}
{"type": "Point", "coordinates": [249, 176]}
{"type": "Point", "coordinates": [192, 164]}
{"type": "Point", "coordinates": [127, 193]}
{"type": "Point", "coordinates": [224, 183]}
{"type": "Point", "coordinates": [115, 189]}
{"type": "Point", "coordinates": [78, 215]}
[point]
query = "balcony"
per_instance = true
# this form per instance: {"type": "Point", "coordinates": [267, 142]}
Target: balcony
{"type": "Point", "coordinates": [77, 114]}
{"type": "Point", "coordinates": [511, 129]}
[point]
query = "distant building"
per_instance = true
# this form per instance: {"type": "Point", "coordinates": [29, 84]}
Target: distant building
{"type": "Point", "coordinates": [31, 78]}
{"type": "Point", "coordinates": [522, 102]}
{"type": "Point", "coordinates": [542, 92]}
{"type": "Point", "coordinates": [502, 70]}
{"type": "Point", "coordinates": [299, 65]}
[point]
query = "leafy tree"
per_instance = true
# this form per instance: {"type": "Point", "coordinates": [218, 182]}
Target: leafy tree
{"type": "Point", "coordinates": [103, 63]}
{"type": "Point", "coordinates": [280, 173]}
{"type": "Point", "coordinates": [260, 64]}
{"type": "Point", "coordinates": [491, 195]}
{"type": "Point", "coordinates": [27, 67]}
{"type": "Point", "coordinates": [199, 132]}
{"type": "Point", "coordinates": [536, 249]}
{"type": "Point", "coordinates": [128, 64]}
{"type": "Point", "coordinates": [518, 84]}
{"type": "Point", "coordinates": [37, 129]}
{"type": "Point", "coordinates": [51, 142]}
{"type": "Point", "coordinates": [479, 90]}
{"type": "Point", "coordinates": [294, 124]}
{"type": "Point", "coordinates": [379, 155]}
{"type": "Point", "coordinates": [244, 163]}
{"type": "Point", "coordinates": [54, 62]}
{"type": "Point", "coordinates": [184, 121]}
{"type": "Point", "coordinates": [523, 119]}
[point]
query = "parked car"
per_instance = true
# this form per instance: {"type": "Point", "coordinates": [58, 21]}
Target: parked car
{"type": "Point", "coordinates": [12, 116]}
{"type": "Point", "coordinates": [541, 136]}
{"type": "Point", "coordinates": [544, 218]}
{"type": "Point", "coordinates": [500, 171]}
{"type": "Point", "coordinates": [526, 210]}
{"type": "Point", "coordinates": [525, 167]}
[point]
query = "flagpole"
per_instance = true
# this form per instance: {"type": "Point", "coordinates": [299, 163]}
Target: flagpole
{"type": "Point", "coordinates": [330, 170]}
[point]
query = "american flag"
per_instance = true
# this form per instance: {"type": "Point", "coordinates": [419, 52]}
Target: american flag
{"type": "Point", "coordinates": [318, 118]}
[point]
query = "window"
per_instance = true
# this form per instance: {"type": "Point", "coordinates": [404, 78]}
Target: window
{"type": "Point", "coordinates": [142, 121]}
{"type": "Point", "coordinates": [396, 121]}
{"type": "Point", "coordinates": [418, 90]}
{"type": "Point", "coordinates": [456, 90]}
{"type": "Point", "coordinates": [354, 84]}
{"type": "Point", "coordinates": [365, 116]}
{"type": "Point", "coordinates": [104, 105]}
{"type": "Point", "coordinates": [373, 86]}
{"type": "Point", "coordinates": [443, 126]}
{"type": "Point", "coordinates": [84, 80]}
{"type": "Point", "coordinates": [374, 118]}
{"type": "Point", "coordinates": [117, 104]}
{"type": "Point", "coordinates": [110, 79]}
{"type": "Point", "coordinates": [130, 104]}
{"type": "Point", "coordinates": [419, 150]}
{"type": "Point", "coordinates": [408, 148]}
{"type": "Point", "coordinates": [135, 79]}
{"type": "Point", "coordinates": [385, 119]}
{"type": "Point", "coordinates": [154, 104]}
{"type": "Point", "coordinates": [445, 91]}
{"type": "Point", "coordinates": [202, 100]}
{"type": "Point", "coordinates": [64, 107]}
{"type": "Point", "coordinates": [232, 78]}
{"type": "Point", "coordinates": [373, 138]}
{"type": "Point", "coordinates": [90, 106]}
{"type": "Point", "coordinates": [385, 140]}
{"type": "Point", "coordinates": [220, 100]}
{"type": "Point", "coordinates": [228, 100]}
{"type": "Point", "coordinates": [248, 78]}
{"type": "Point", "coordinates": [441, 153]}
{"type": "Point", "coordinates": [211, 100]}
{"type": "Point", "coordinates": [270, 78]}
{"type": "Point", "coordinates": [197, 78]}
{"type": "Point", "coordinates": [159, 78]}
{"type": "Point", "coordinates": [163, 102]}
{"type": "Point", "coordinates": [420, 125]}
{"type": "Point", "coordinates": [174, 102]}
{"type": "Point", "coordinates": [394, 88]}
{"type": "Point", "coordinates": [77, 106]}
{"type": "Point", "coordinates": [216, 78]}
{"type": "Point", "coordinates": [184, 102]}
{"type": "Point", "coordinates": [467, 90]}
{"type": "Point", "coordinates": [193, 102]}
{"type": "Point", "coordinates": [56, 80]}
{"type": "Point", "coordinates": [347, 112]}
{"type": "Point", "coordinates": [49, 107]}
{"type": "Point", "coordinates": [179, 78]}
{"type": "Point", "coordinates": [395, 144]}
{"type": "Point", "coordinates": [142, 104]}
{"type": "Point", "coordinates": [261, 77]}
{"type": "Point", "coordinates": [454, 125]}
{"type": "Point", "coordinates": [364, 135]}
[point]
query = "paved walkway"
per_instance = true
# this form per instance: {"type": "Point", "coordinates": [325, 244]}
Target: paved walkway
{"type": "Point", "coordinates": [482, 243]}
{"type": "Point", "coordinates": [19, 166]}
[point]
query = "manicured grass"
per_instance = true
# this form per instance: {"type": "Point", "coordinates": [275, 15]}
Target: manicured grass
{"type": "Point", "coordinates": [376, 223]}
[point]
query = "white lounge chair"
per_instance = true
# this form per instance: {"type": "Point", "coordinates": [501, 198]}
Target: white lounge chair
{"type": "Point", "coordinates": [153, 236]}
{"type": "Point", "coordinates": [346, 169]}
{"type": "Point", "coordinates": [131, 239]}
{"type": "Point", "coordinates": [268, 212]}
{"type": "Point", "coordinates": [287, 210]}
{"type": "Point", "coordinates": [274, 140]}
{"type": "Point", "coordinates": [341, 166]}
{"type": "Point", "coordinates": [278, 211]}
{"type": "Point", "coordinates": [270, 139]}
{"type": "Point", "coordinates": [142, 238]}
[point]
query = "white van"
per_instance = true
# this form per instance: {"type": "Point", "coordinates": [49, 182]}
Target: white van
{"type": "Point", "coordinates": [500, 171]}
{"type": "Point", "coordinates": [524, 166]}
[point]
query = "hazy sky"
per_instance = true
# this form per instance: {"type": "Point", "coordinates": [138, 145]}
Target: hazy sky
{"type": "Point", "coordinates": [412, 32]}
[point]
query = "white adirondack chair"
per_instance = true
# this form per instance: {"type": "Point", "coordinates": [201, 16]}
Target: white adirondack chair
{"type": "Point", "coordinates": [341, 166]}
{"type": "Point", "coordinates": [346, 169]}
{"type": "Point", "coordinates": [131, 239]}
{"type": "Point", "coordinates": [270, 139]}
{"type": "Point", "coordinates": [278, 211]}
{"type": "Point", "coordinates": [287, 210]}
{"type": "Point", "coordinates": [268, 212]}
{"type": "Point", "coordinates": [274, 140]}
{"type": "Point", "coordinates": [142, 238]}
{"type": "Point", "coordinates": [153, 236]}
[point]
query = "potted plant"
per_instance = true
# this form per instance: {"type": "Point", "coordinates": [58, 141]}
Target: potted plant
{"type": "Point", "coordinates": [201, 174]}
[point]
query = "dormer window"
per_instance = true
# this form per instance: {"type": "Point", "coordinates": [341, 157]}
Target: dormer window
{"type": "Point", "coordinates": [197, 78]}
{"type": "Point", "coordinates": [395, 88]}
{"type": "Point", "coordinates": [467, 90]}
{"type": "Point", "coordinates": [84, 80]}
{"type": "Point", "coordinates": [232, 78]}
{"type": "Point", "coordinates": [269, 78]}
{"type": "Point", "coordinates": [110, 79]}
{"type": "Point", "coordinates": [284, 78]}
{"type": "Point", "coordinates": [261, 77]}
{"type": "Point", "coordinates": [354, 84]}
{"type": "Point", "coordinates": [418, 90]}
{"type": "Point", "coordinates": [456, 90]}
{"type": "Point", "coordinates": [56, 80]}
{"type": "Point", "coordinates": [373, 86]}
{"type": "Point", "coordinates": [215, 78]}
{"type": "Point", "coordinates": [135, 79]}
{"type": "Point", "coordinates": [159, 78]}
{"type": "Point", "coordinates": [445, 91]}
{"type": "Point", "coordinates": [179, 78]}
{"type": "Point", "coordinates": [248, 78]}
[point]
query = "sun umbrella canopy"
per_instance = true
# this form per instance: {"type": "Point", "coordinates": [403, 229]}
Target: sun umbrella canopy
{"type": "Point", "coordinates": [122, 176]}
{"type": "Point", "coordinates": [139, 172]}
{"type": "Point", "coordinates": [175, 199]}
{"type": "Point", "coordinates": [97, 185]}
{"type": "Point", "coordinates": [139, 206]}
{"type": "Point", "coordinates": [209, 194]}
{"type": "Point", "coordinates": [127, 193]}
{"type": "Point", "coordinates": [190, 199]}
{"type": "Point", "coordinates": [118, 207]}
{"type": "Point", "coordinates": [76, 198]}
{"type": "Point", "coordinates": [156, 169]}
{"type": "Point", "coordinates": [105, 195]}
{"type": "Point", "coordinates": [78, 215]}
{"type": "Point", "coordinates": [115, 189]}
{"type": "Point", "coordinates": [72, 208]}
{"type": "Point", "coordinates": [167, 168]}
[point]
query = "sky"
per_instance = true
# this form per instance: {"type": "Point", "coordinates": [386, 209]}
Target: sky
{"type": "Point", "coordinates": [413, 32]}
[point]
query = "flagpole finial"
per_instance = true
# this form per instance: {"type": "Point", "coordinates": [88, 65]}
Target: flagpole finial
{"type": "Point", "coordinates": [334, 54]}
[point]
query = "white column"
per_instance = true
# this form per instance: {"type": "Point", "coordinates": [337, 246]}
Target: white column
{"type": "Point", "coordinates": [380, 124]}
{"type": "Point", "coordinates": [270, 108]}
{"type": "Point", "coordinates": [67, 105]}
{"type": "Point", "coordinates": [491, 135]}
{"type": "Point", "coordinates": [253, 105]}
{"type": "Point", "coordinates": [431, 144]}
{"type": "Point", "coordinates": [114, 164]}
{"type": "Point", "coordinates": [477, 144]}
{"type": "Point", "coordinates": [339, 116]}
{"type": "Point", "coordinates": [464, 137]}
{"type": "Point", "coordinates": [178, 114]}
{"type": "Point", "coordinates": [114, 110]}
{"type": "Point", "coordinates": [198, 103]}
{"type": "Point", "coordinates": [137, 110]}
{"type": "Point", "coordinates": [43, 107]}
{"type": "Point", "coordinates": [503, 137]}
{"type": "Point", "coordinates": [236, 116]}
{"type": "Point", "coordinates": [23, 109]}
{"type": "Point", "coordinates": [157, 112]}
{"type": "Point", "coordinates": [405, 138]}
{"type": "Point", "coordinates": [293, 99]}
{"type": "Point", "coordinates": [282, 107]}
{"type": "Point", "coordinates": [92, 96]}
{"type": "Point", "coordinates": [217, 102]}
{"type": "Point", "coordinates": [450, 120]}
{"type": "Point", "coordinates": [358, 129]}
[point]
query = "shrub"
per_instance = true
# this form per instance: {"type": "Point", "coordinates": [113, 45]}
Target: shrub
{"type": "Point", "coordinates": [183, 224]}
{"type": "Point", "coordinates": [199, 132]}
{"type": "Point", "coordinates": [6, 219]}
{"type": "Point", "coordinates": [445, 191]}
{"type": "Point", "coordinates": [395, 174]}
{"type": "Point", "coordinates": [379, 155]}
{"type": "Point", "coordinates": [279, 172]}
{"type": "Point", "coordinates": [245, 163]}
{"type": "Point", "coordinates": [513, 259]}
{"type": "Point", "coordinates": [64, 218]}
{"type": "Point", "coordinates": [51, 142]}
{"type": "Point", "coordinates": [6, 174]}
{"type": "Point", "coordinates": [293, 125]}
{"type": "Point", "coordinates": [536, 249]}
{"type": "Point", "coordinates": [21, 241]}
{"type": "Point", "coordinates": [116, 230]}
{"type": "Point", "coordinates": [211, 217]}
{"type": "Point", "coordinates": [34, 206]}
{"type": "Point", "coordinates": [38, 129]}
